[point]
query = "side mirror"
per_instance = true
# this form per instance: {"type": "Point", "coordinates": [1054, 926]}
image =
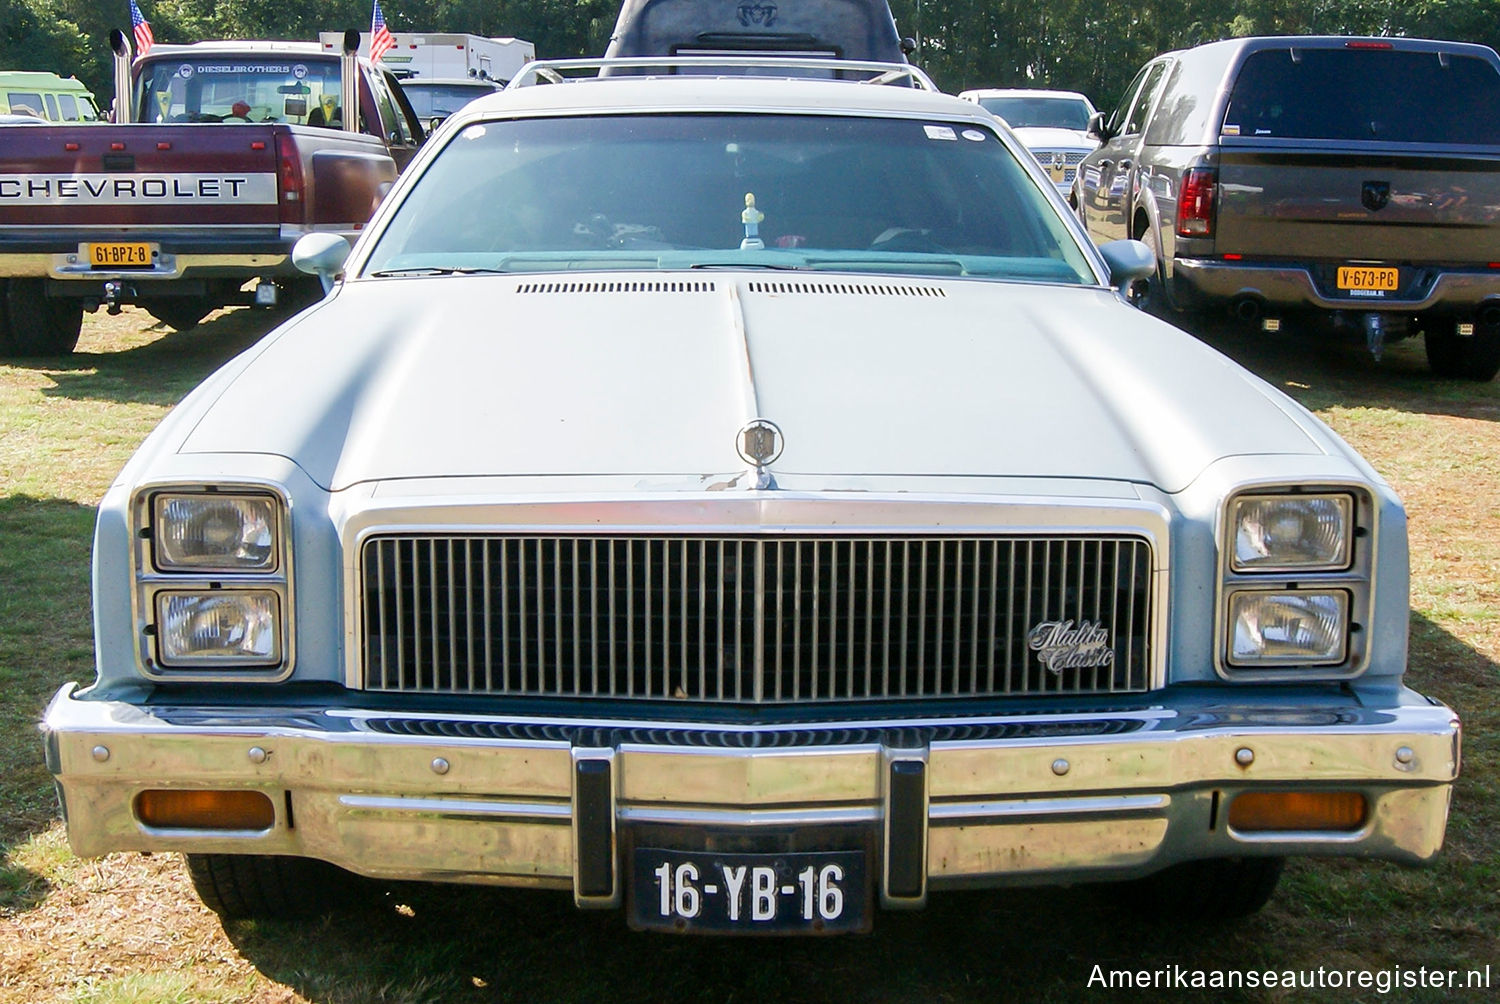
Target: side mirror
{"type": "Point", "coordinates": [1127, 261]}
{"type": "Point", "coordinates": [1097, 127]}
{"type": "Point", "coordinates": [322, 255]}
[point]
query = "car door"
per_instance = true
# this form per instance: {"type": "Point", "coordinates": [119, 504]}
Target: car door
{"type": "Point", "coordinates": [1109, 172]}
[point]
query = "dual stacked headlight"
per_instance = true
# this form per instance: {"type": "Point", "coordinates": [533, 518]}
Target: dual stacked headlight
{"type": "Point", "coordinates": [1294, 583]}
{"type": "Point", "coordinates": [214, 582]}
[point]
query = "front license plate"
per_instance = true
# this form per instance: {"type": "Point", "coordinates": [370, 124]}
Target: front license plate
{"type": "Point", "coordinates": [793, 893]}
{"type": "Point", "coordinates": [120, 255]}
{"type": "Point", "coordinates": [1364, 278]}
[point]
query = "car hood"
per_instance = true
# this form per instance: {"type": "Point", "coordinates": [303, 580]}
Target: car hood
{"type": "Point", "coordinates": [655, 374]}
{"type": "Point", "coordinates": [1042, 137]}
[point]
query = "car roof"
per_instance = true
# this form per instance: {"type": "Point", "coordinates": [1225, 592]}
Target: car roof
{"type": "Point", "coordinates": [692, 92]}
{"type": "Point", "coordinates": [240, 48]}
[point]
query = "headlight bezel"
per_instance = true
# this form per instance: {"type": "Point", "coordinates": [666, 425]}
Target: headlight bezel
{"type": "Point", "coordinates": [1352, 576]}
{"type": "Point", "coordinates": [154, 578]}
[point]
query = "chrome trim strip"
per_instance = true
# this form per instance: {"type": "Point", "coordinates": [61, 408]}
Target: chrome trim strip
{"type": "Point", "coordinates": [461, 808]}
{"type": "Point", "coordinates": [963, 813]}
{"type": "Point", "coordinates": [748, 817]}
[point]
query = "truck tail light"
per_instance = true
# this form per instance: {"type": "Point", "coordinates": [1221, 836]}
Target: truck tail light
{"type": "Point", "coordinates": [1195, 207]}
{"type": "Point", "coordinates": [289, 175]}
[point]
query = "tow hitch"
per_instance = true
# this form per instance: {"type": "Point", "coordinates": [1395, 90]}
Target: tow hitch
{"type": "Point", "coordinates": [1375, 334]}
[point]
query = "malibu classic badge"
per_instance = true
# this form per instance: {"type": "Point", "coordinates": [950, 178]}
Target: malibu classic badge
{"type": "Point", "coordinates": [1059, 645]}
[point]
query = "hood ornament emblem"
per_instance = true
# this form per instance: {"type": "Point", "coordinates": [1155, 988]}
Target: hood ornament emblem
{"type": "Point", "coordinates": [759, 444]}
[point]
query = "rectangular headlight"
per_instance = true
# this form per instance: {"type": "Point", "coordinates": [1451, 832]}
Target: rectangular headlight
{"type": "Point", "coordinates": [210, 532]}
{"type": "Point", "coordinates": [1284, 533]}
{"type": "Point", "coordinates": [1277, 629]}
{"type": "Point", "coordinates": [219, 628]}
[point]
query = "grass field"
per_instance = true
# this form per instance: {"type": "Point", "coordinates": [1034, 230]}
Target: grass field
{"type": "Point", "coordinates": [127, 928]}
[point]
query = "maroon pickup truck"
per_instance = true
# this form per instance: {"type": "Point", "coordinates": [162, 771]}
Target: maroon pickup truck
{"type": "Point", "coordinates": [228, 153]}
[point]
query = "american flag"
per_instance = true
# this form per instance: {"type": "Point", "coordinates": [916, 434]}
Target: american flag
{"type": "Point", "coordinates": [380, 36]}
{"type": "Point", "coordinates": [144, 40]}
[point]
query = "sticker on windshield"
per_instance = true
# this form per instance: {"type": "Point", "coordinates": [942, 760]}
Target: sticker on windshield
{"type": "Point", "coordinates": [973, 135]}
{"type": "Point", "coordinates": [299, 71]}
{"type": "Point", "coordinates": [473, 132]}
{"type": "Point", "coordinates": [184, 71]}
{"type": "Point", "coordinates": [1231, 130]}
{"type": "Point", "coordinates": [940, 132]}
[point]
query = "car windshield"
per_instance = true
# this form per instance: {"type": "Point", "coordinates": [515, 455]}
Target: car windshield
{"type": "Point", "coordinates": [298, 90]}
{"type": "Point", "coordinates": [442, 99]}
{"type": "Point", "coordinates": [721, 190]}
{"type": "Point", "coordinates": [1030, 113]}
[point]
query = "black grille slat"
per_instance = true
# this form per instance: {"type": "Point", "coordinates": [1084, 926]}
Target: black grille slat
{"type": "Point", "coordinates": [750, 620]}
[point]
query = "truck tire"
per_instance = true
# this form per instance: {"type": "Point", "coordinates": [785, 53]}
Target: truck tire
{"type": "Point", "coordinates": [40, 325]}
{"type": "Point", "coordinates": [1215, 889]}
{"type": "Point", "coordinates": [178, 312]}
{"type": "Point", "coordinates": [266, 886]}
{"type": "Point", "coordinates": [1458, 357]}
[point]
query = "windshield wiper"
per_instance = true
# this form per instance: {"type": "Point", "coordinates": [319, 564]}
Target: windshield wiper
{"type": "Point", "coordinates": [429, 270]}
{"type": "Point", "coordinates": [749, 264]}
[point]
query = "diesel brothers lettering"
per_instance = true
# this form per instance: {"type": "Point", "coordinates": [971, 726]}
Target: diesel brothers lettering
{"type": "Point", "coordinates": [64, 189]}
{"type": "Point", "coordinates": [1059, 645]}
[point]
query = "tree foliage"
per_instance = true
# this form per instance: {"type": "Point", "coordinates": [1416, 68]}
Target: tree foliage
{"type": "Point", "coordinates": [1090, 45]}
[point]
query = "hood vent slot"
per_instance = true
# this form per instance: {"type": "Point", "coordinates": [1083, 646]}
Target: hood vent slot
{"type": "Point", "coordinates": [629, 286]}
{"type": "Point", "coordinates": [846, 289]}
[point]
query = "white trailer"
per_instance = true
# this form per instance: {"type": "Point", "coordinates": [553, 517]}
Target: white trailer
{"type": "Point", "coordinates": [445, 55]}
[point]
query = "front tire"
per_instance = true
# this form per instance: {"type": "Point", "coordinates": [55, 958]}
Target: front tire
{"type": "Point", "coordinates": [1212, 890]}
{"type": "Point", "coordinates": [39, 325]}
{"type": "Point", "coordinates": [1461, 357]}
{"type": "Point", "coordinates": [266, 886]}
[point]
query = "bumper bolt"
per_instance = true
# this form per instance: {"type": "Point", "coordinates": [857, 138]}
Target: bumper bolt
{"type": "Point", "coordinates": [1405, 755]}
{"type": "Point", "coordinates": [257, 755]}
{"type": "Point", "coordinates": [1244, 756]}
{"type": "Point", "coordinates": [439, 765]}
{"type": "Point", "coordinates": [101, 753]}
{"type": "Point", "coordinates": [1060, 767]}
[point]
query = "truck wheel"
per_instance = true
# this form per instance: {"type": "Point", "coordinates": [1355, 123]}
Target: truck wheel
{"type": "Point", "coordinates": [1472, 357]}
{"type": "Point", "coordinates": [266, 886]}
{"type": "Point", "coordinates": [1216, 889]}
{"type": "Point", "coordinates": [40, 325]}
{"type": "Point", "coordinates": [178, 312]}
{"type": "Point", "coordinates": [1153, 297]}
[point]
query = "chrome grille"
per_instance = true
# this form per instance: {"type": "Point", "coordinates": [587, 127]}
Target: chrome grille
{"type": "Point", "coordinates": [750, 620]}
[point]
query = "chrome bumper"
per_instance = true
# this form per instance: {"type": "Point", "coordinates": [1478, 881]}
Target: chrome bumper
{"type": "Point", "coordinates": [1006, 800]}
{"type": "Point", "coordinates": [1198, 282]}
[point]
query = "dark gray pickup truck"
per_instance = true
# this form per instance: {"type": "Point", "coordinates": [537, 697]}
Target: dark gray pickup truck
{"type": "Point", "coordinates": [1353, 178]}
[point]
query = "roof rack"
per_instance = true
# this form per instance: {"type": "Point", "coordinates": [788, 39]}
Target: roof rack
{"type": "Point", "coordinates": [561, 71]}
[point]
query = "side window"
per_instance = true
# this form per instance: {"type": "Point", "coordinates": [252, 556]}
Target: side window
{"type": "Point", "coordinates": [21, 103]}
{"type": "Point", "coordinates": [390, 119]}
{"type": "Point", "coordinates": [51, 107]}
{"type": "Point", "coordinates": [1117, 117]}
{"type": "Point", "coordinates": [69, 107]}
{"type": "Point", "coordinates": [1146, 99]}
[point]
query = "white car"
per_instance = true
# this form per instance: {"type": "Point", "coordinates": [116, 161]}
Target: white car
{"type": "Point", "coordinates": [698, 494]}
{"type": "Point", "coordinates": [1053, 124]}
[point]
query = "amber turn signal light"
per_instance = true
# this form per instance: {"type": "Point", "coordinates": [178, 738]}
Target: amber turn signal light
{"type": "Point", "coordinates": [1261, 811]}
{"type": "Point", "coordinates": [205, 810]}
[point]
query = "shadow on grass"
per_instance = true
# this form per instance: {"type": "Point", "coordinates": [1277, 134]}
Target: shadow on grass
{"type": "Point", "coordinates": [160, 371]}
{"type": "Point", "coordinates": [1322, 369]}
{"type": "Point", "coordinates": [45, 640]}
